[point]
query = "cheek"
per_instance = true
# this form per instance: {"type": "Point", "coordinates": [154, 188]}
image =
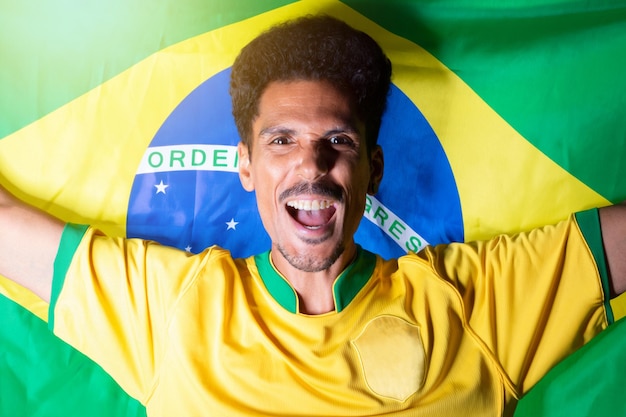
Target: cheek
{"type": "Point", "coordinates": [360, 178]}
{"type": "Point", "coordinates": [266, 183]}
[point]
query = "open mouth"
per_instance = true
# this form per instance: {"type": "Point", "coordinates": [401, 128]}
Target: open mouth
{"type": "Point", "coordinates": [312, 214]}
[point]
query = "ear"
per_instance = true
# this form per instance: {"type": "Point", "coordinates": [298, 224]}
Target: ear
{"type": "Point", "coordinates": [377, 167]}
{"type": "Point", "coordinates": [245, 175]}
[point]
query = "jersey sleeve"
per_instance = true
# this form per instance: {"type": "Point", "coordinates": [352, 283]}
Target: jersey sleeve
{"type": "Point", "coordinates": [112, 298]}
{"type": "Point", "coordinates": [531, 299]}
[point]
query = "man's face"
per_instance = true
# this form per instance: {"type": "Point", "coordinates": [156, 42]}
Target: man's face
{"type": "Point", "coordinates": [310, 168]}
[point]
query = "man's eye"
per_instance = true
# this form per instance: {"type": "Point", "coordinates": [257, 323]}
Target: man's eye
{"type": "Point", "coordinates": [341, 140]}
{"type": "Point", "coordinates": [280, 141]}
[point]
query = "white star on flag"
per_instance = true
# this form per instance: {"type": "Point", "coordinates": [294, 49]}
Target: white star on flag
{"type": "Point", "coordinates": [232, 224]}
{"type": "Point", "coordinates": [161, 187]}
{"type": "Point", "coordinates": [188, 248]}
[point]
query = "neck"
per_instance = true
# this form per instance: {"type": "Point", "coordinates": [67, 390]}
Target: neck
{"type": "Point", "coordinates": [314, 289]}
{"type": "Point", "coordinates": [315, 295]}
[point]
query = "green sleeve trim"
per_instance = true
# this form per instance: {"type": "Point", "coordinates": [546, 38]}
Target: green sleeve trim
{"type": "Point", "coordinates": [70, 239]}
{"type": "Point", "coordinates": [589, 224]}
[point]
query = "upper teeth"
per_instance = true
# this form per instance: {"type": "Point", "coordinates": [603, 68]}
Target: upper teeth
{"type": "Point", "coordinates": [309, 205]}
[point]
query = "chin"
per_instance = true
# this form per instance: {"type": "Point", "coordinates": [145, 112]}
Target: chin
{"type": "Point", "coordinates": [307, 262]}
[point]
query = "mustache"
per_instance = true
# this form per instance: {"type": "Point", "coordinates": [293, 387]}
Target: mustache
{"type": "Point", "coordinates": [322, 188]}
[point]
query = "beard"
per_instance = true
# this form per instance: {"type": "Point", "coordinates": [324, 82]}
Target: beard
{"type": "Point", "coordinates": [308, 263]}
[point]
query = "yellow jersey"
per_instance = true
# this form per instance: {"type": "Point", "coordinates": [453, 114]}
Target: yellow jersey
{"type": "Point", "coordinates": [455, 329]}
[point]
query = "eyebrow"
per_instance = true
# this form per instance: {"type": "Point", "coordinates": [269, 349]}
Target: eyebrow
{"type": "Point", "coordinates": [273, 130]}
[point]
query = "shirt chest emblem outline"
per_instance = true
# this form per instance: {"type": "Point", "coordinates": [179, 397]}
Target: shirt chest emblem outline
{"type": "Point", "coordinates": [392, 357]}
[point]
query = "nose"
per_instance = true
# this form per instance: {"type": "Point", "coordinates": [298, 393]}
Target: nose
{"type": "Point", "coordinates": [315, 161]}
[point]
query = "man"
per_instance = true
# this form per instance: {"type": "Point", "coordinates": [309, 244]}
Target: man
{"type": "Point", "coordinates": [318, 326]}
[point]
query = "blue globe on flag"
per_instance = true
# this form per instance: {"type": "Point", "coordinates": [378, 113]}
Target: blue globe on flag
{"type": "Point", "coordinates": [187, 194]}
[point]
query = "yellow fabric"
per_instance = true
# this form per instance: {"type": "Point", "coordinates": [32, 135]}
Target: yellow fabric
{"type": "Point", "coordinates": [200, 335]}
{"type": "Point", "coordinates": [388, 375]}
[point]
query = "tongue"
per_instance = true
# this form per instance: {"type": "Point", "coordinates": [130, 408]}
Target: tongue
{"type": "Point", "coordinates": [314, 217]}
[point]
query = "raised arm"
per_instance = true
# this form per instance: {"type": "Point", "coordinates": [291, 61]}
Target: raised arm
{"type": "Point", "coordinates": [29, 239]}
{"type": "Point", "coordinates": [613, 223]}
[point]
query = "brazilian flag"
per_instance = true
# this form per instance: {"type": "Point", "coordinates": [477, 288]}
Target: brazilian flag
{"type": "Point", "coordinates": [503, 116]}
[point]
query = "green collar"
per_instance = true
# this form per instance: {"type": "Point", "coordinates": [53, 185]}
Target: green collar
{"type": "Point", "coordinates": [345, 288]}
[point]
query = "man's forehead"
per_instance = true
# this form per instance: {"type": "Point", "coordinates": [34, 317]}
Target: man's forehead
{"type": "Point", "coordinates": [291, 105]}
